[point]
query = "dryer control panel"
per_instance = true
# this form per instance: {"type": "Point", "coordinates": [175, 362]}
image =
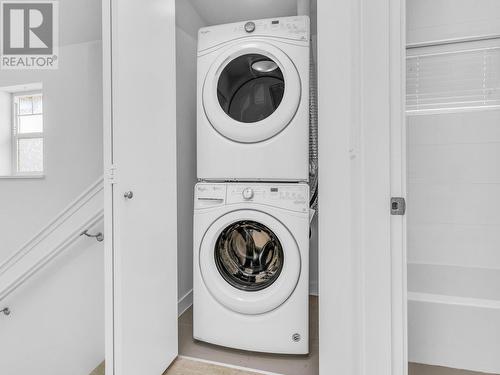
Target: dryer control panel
{"type": "Point", "coordinates": [292, 28]}
{"type": "Point", "coordinates": [294, 197]}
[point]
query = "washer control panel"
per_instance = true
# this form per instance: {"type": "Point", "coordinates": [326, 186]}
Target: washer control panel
{"type": "Point", "coordinates": [289, 196]}
{"type": "Point", "coordinates": [292, 28]}
{"type": "Point", "coordinates": [293, 197]}
{"type": "Point", "coordinates": [247, 193]}
{"type": "Point", "coordinates": [250, 27]}
{"type": "Point", "coordinates": [209, 195]}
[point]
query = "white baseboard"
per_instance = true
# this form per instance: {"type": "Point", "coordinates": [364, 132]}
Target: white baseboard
{"type": "Point", "coordinates": [185, 302]}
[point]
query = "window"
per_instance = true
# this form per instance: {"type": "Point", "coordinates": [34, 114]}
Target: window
{"type": "Point", "coordinates": [462, 76]}
{"type": "Point", "coordinates": [27, 133]}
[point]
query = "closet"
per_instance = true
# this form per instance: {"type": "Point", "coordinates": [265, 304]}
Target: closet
{"type": "Point", "coordinates": [151, 165]}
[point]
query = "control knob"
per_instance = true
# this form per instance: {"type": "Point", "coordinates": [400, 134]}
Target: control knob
{"type": "Point", "coordinates": [250, 27]}
{"type": "Point", "coordinates": [247, 193]}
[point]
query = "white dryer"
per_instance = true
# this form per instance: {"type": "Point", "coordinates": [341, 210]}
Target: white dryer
{"type": "Point", "coordinates": [253, 100]}
{"type": "Point", "coordinates": [251, 266]}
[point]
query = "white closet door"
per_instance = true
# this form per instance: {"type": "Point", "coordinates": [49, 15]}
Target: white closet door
{"type": "Point", "coordinates": [142, 253]}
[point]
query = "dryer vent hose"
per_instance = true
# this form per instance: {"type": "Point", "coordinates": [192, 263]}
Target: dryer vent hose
{"type": "Point", "coordinates": [313, 135]}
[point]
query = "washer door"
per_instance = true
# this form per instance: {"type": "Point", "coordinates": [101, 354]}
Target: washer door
{"type": "Point", "coordinates": [251, 92]}
{"type": "Point", "coordinates": [249, 262]}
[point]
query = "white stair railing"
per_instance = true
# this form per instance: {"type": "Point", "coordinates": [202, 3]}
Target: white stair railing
{"type": "Point", "coordinates": [83, 213]}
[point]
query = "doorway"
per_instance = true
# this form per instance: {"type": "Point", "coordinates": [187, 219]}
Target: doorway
{"type": "Point", "coordinates": [190, 17]}
{"type": "Point", "coordinates": [453, 151]}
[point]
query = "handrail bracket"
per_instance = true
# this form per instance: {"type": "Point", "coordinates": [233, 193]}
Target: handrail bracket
{"type": "Point", "coordinates": [98, 236]}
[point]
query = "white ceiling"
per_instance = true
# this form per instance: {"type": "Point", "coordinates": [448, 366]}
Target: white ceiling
{"type": "Point", "coordinates": [216, 12]}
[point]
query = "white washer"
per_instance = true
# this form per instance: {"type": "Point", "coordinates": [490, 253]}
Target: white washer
{"type": "Point", "coordinates": [253, 100]}
{"type": "Point", "coordinates": [251, 266]}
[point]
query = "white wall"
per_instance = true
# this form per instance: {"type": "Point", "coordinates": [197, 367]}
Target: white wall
{"type": "Point", "coordinates": [73, 143]}
{"type": "Point", "coordinates": [453, 208]}
{"type": "Point", "coordinates": [431, 20]}
{"type": "Point", "coordinates": [454, 205]}
{"type": "Point", "coordinates": [57, 321]}
{"type": "Point", "coordinates": [454, 177]}
{"type": "Point", "coordinates": [5, 133]}
{"type": "Point", "coordinates": [453, 238]}
{"type": "Point", "coordinates": [217, 12]}
{"type": "Point", "coordinates": [79, 21]}
{"type": "Point", "coordinates": [56, 325]}
{"type": "Point", "coordinates": [57, 318]}
{"type": "Point", "coordinates": [188, 22]}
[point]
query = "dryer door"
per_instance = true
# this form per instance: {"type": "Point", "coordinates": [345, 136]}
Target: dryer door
{"type": "Point", "coordinates": [251, 92]}
{"type": "Point", "coordinates": [249, 262]}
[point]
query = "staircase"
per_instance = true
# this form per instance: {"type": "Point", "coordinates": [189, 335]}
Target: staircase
{"type": "Point", "coordinates": [84, 212]}
{"type": "Point", "coordinates": [52, 295]}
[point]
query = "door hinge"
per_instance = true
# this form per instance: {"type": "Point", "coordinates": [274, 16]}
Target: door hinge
{"type": "Point", "coordinates": [398, 206]}
{"type": "Point", "coordinates": [112, 174]}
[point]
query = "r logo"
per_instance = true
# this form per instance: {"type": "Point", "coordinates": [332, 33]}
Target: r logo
{"type": "Point", "coordinates": [29, 34]}
{"type": "Point", "coordinates": [27, 28]}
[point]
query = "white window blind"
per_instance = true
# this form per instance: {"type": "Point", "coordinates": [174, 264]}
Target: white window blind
{"type": "Point", "coordinates": [457, 79]}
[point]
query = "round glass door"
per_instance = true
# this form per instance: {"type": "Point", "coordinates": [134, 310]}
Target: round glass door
{"type": "Point", "coordinates": [250, 88]}
{"type": "Point", "coordinates": [249, 261]}
{"type": "Point", "coordinates": [251, 92]}
{"type": "Point", "coordinates": [248, 255]}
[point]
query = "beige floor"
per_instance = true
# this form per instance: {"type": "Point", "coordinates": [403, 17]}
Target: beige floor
{"type": "Point", "coordinates": [281, 364]}
{"type": "Point", "coordinates": [183, 366]}
{"type": "Point", "coordinates": [419, 369]}
{"type": "Point", "coordinates": [98, 370]}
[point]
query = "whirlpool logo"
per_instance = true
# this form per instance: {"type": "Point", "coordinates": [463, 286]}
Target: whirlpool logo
{"type": "Point", "coordinates": [29, 34]}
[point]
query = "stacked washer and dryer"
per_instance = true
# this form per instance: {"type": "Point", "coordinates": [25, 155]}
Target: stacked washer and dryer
{"type": "Point", "coordinates": [251, 215]}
